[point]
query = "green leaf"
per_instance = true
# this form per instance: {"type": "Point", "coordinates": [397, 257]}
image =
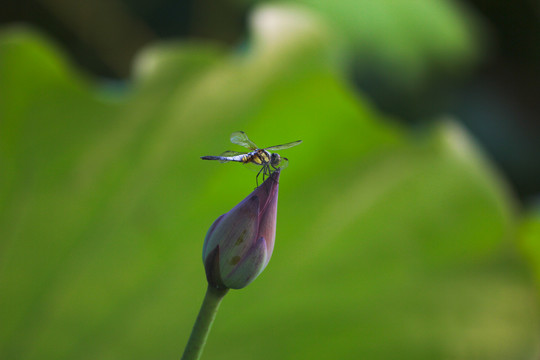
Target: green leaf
{"type": "Point", "coordinates": [530, 240]}
{"type": "Point", "coordinates": [403, 40]}
{"type": "Point", "coordinates": [388, 243]}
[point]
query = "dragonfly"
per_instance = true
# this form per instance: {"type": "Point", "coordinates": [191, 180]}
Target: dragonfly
{"type": "Point", "coordinates": [266, 158]}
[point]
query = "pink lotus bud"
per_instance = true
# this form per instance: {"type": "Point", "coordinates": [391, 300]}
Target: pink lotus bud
{"type": "Point", "coordinates": [239, 244]}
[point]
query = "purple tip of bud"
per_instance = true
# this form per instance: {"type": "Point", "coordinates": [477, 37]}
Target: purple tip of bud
{"type": "Point", "coordinates": [239, 244]}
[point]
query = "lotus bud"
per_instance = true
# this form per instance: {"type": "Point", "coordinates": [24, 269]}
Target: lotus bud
{"type": "Point", "coordinates": [239, 244]}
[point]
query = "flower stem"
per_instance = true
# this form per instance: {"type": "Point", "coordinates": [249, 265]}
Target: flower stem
{"type": "Point", "coordinates": [209, 308]}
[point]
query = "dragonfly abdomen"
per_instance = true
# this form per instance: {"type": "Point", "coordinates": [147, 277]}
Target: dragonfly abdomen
{"type": "Point", "coordinates": [258, 157]}
{"type": "Point", "coordinates": [239, 158]}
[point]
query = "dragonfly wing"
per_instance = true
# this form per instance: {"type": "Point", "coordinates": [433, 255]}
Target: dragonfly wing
{"type": "Point", "coordinates": [283, 146]}
{"type": "Point", "coordinates": [240, 138]}
{"type": "Point", "coordinates": [283, 163]}
{"type": "Point", "coordinates": [252, 166]}
{"type": "Point", "coordinates": [231, 153]}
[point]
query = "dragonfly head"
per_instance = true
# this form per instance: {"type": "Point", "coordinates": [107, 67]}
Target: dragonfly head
{"type": "Point", "coordinates": [275, 159]}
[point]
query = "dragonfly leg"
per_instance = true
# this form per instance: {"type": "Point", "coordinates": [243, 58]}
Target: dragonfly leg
{"type": "Point", "coordinates": [267, 172]}
{"type": "Point", "coordinates": [257, 177]}
{"type": "Point", "coordinates": [272, 172]}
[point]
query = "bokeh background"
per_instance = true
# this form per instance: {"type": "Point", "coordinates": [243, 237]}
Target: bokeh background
{"type": "Point", "coordinates": [408, 221]}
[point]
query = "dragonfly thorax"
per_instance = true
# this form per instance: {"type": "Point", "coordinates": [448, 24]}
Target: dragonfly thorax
{"type": "Point", "coordinates": [259, 157]}
{"type": "Point", "coordinates": [263, 157]}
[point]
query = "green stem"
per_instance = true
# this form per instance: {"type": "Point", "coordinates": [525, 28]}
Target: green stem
{"type": "Point", "coordinates": [204, 321]}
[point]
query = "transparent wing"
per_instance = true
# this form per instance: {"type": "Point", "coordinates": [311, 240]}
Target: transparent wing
{"type": "Point", "coordinates": [283, 146]}
{"type": "Point", "coordinates": [240, 138]}
{"type": "Point", "coordinates": [252, 166]}
{"type": "Point", "coordinates": [230, 153]}
{"type": "Point", "coordinates": [283, 163]}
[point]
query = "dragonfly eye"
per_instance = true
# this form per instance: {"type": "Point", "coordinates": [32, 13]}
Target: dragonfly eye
{"type": "Point", "coordinates": [275, 159]}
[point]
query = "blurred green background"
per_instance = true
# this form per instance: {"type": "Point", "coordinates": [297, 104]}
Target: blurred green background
{"type": "Point", "coordinates": [408, 221]}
